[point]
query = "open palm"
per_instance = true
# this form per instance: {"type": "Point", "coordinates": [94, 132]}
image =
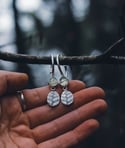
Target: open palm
{"type": "Point", "coordinates": [41, 126]}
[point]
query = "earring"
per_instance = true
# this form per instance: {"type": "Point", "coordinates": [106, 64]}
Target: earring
{"type": "Point", "coordinates": [53, 98]}
{"type": "Point", "coordinates": [66, 96]}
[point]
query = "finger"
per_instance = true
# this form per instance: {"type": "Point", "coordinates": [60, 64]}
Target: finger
{"type": "Point", "coordinates": [36, 115]}
{"type": "Point", "coordinates": [69, 121]}
{"type": "Point", "coordinates": [37, 97]}
{"type": "Point", "coordinates": [72, 137]}
{"type": "Point", "coordinates": [12, 81]}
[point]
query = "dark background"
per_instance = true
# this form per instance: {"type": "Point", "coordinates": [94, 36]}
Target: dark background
{"type": "Point", "coordinates": [77, 30]}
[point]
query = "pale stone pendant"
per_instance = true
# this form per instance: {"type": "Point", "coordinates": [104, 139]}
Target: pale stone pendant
{"type": "Point", "coordinates": [53, 98]}
{"type": "Point", "coordinates": [64, 81]}
{"type": "Point", "coordinates": [53, 82]}
{"type": "Point", "coordinates": [67, 97]}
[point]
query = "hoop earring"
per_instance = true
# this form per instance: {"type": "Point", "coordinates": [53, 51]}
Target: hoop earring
{"type": "Point", "coordinates": [53, 98]}
{"type": "Point", "coordinates": [66, 96]}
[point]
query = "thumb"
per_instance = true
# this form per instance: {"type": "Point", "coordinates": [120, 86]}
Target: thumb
{"type": "Point", "coordinates": [12, 81]}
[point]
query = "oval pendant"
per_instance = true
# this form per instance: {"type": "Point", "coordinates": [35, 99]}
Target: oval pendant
{"type": "Point", "coordinates": [53, 98]}
{"type": "Point", "coordinates": [67, 97]}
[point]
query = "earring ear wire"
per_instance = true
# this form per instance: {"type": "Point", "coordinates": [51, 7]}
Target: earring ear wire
{"type": "Point", "coordinates": [52, 60]}
{"type": "Point", "coordinates": [58, 64]}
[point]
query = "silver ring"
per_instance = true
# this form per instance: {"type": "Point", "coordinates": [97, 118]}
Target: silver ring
{"type": "Point", "coordinates": [22, 100]}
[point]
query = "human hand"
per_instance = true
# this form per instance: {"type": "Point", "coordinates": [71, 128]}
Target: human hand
{"type": "Point", "coordinates": [41, 126]}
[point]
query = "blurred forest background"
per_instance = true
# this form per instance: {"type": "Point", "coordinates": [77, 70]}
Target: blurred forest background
{"type": "Point", "coordinates": [73, 28]}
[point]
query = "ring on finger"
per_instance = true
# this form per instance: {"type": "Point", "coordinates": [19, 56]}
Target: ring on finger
{"type": "Point", "coordinates": [22, 100]}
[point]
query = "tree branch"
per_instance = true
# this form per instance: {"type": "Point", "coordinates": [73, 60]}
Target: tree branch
{"type": "Point", "coordinates": [106, 58]}
{"type": "Point", "coordinates": [64, 60]}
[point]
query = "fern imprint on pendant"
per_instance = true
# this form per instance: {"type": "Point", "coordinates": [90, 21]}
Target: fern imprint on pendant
{"type": "Point", "coordinates": [53, 98]}
{"type": "Point", "coordinates": [67, 97]}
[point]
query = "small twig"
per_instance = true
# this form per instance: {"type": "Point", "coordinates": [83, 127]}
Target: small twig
{"type": "Point", "coordinates": [113, 47]}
